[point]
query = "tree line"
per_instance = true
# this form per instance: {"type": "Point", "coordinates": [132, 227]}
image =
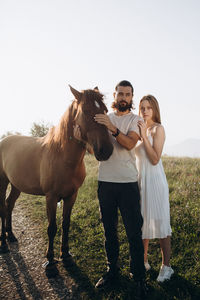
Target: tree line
{"type": "Point", "coordinates": [37, 130]}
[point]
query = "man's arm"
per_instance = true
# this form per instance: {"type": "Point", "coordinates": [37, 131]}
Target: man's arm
{"type": "Point", "coordinates": [127, 141]}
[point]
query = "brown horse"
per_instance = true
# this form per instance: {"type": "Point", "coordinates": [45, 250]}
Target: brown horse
{"type": "Point", "coordinates": [52, 166]}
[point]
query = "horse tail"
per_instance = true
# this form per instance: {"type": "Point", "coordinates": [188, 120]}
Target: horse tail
{"type": "Point", "coordinates": [3, 187]}
{"type": "Point", "coordinates": [1, 165]}
{"type": "Point", "coordinates": [2, 152]}
{"type": "Point", "coordinates": [3, 178]}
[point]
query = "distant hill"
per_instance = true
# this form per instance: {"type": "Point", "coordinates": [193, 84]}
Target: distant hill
{"type": "Point", "coordinates": [189, 147]}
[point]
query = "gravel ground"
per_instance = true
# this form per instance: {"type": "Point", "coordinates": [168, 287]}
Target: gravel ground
{"type": "Point", "coordinates": [22, 275]}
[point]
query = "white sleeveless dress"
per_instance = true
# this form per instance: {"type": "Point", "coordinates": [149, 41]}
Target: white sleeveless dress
{"type": "Point", "coordinates": [154, 193]}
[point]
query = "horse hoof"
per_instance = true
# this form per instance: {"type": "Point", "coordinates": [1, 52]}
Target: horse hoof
{"type": "Point", "coordinates": [11, 238]}
{"type": "Point", "coordinates": [67, 260]}
{"type": "Point", "coordinates": [4, 249]}
{"type": "Point", "coordinates": [51, 269]}
{"type": "Point", "coordinates": [51, 272]}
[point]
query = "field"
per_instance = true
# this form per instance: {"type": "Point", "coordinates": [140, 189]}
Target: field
{"type": "Point", "coordinates": [86, 236]}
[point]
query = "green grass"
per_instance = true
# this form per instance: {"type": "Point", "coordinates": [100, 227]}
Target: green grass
{"type": "Point", "coordinates": [86, 236]}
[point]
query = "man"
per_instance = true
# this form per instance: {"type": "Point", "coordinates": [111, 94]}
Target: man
{"type": "Point", "coordinates": [118, 187]}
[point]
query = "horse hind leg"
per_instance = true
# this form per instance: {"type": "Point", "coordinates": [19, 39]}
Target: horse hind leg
{"type": "Point", "coordinates": [10, 203]}
{"type": "Point", "coordinates": [3, 187]}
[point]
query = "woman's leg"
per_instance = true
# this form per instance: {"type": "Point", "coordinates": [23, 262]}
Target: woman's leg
{"type": "Point", "coordinates": [165, 245]}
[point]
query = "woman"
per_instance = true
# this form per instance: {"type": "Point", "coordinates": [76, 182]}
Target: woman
{"type": "Point", "coordinates": [153, 184]}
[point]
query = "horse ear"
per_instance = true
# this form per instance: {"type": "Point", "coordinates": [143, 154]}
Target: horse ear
{"type": "Point", "coordinates": [76, 93]}
{"type": "Point", "coordinates": [96, 89]}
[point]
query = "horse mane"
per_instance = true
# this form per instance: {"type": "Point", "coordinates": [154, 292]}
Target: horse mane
{"type": "Point", "coordinates": [57, 136]}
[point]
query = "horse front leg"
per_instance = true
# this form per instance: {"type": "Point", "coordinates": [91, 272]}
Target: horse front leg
{"type": "Point", "coordinates": [67, 208]}
{"type": "Point", "coordinates": [51, 205]}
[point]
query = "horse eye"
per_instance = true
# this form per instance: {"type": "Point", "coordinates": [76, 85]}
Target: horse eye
{"type": "Point", "coordinates": [97, 104]}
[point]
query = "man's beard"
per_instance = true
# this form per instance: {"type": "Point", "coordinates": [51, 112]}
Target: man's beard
{"type": "Point", "coordinates": [123, 105]}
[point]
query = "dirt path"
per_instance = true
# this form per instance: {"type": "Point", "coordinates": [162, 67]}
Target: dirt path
{"type": "Point", "coordinates": [21, 273]}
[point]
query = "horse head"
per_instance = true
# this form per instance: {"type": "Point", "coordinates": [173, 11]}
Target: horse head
{"type": "Point", "coordinates": [89, 103]}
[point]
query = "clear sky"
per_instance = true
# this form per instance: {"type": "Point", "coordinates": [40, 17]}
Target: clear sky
{"type": "Point", "coordinates": [47, 44]}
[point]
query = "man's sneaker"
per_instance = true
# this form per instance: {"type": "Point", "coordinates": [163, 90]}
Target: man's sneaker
{"type": "Point", "coordinates": [106, 279]}
{"type": "Point", "coordinates": [165, 273]}
{"type": "Point", "coordinates": [147, 266]}
{"type": "Point", "coordinates": [141, 290]}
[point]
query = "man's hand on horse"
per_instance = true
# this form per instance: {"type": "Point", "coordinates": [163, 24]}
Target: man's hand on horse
{"type": "Point", "coordinates": [105, 120]}
{"type": "Point", "coordinates": [77, 132]}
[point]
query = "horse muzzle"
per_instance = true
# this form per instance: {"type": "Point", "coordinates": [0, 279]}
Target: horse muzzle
{"type": "Point", "coordinates": [103, 152]}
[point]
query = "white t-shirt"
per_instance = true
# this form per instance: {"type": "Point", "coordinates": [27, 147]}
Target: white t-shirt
{"type": "Point", "coordinates": [121, 166]}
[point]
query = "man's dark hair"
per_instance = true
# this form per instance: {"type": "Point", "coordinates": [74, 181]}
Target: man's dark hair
{"type": "Point", "coordinates": [116, 105]}
{"type": "Point", "coordinates": [124, 83]}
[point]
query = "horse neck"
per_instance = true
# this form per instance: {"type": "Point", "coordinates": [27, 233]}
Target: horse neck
{"type": "Point", "coordinates": [75, 150]}
{"type": "Point", "coordinates": [60, 140]}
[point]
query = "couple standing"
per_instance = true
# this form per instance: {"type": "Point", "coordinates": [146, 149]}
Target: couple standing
{"type": "Point", "coordinates": [144, 209]}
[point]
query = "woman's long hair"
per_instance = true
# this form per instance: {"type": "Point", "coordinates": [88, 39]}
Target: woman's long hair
{"type": "Point", "coordinates": [155, 107]}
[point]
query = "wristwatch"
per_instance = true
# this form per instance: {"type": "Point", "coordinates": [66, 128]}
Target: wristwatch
{"type": "Point", "coordinates": [117, 133]}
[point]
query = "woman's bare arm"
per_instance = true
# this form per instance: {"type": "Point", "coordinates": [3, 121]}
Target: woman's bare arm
{"type": "Point", "coordinates": [154, 151]}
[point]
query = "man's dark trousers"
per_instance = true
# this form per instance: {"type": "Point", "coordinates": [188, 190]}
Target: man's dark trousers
{"type": "Point", "coordinates": [126, 197]}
